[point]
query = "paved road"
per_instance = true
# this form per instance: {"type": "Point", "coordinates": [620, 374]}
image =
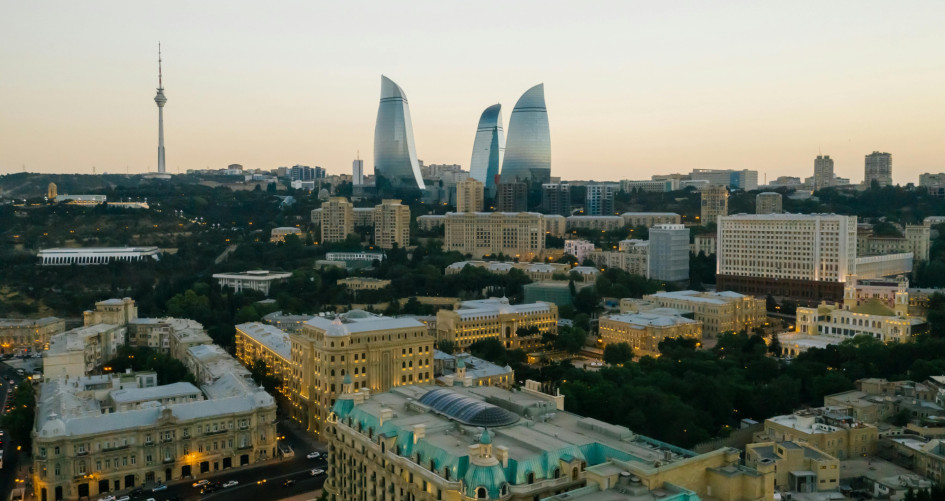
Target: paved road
{"type": "Point", "coordinates": [10, 460]}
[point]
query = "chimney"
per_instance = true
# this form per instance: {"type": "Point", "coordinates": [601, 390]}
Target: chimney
{"type": "Point", "coordinates": [502, 454]}
{"type": "Point", "coordinates": [386, 414]}
{"type": "Point", "coordinates": [419, 431]}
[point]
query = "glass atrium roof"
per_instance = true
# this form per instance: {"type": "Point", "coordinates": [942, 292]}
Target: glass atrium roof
{"type": "Point", "coordinates": [467, 410]}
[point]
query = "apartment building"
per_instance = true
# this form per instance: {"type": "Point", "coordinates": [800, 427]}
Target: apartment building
{"type": "Point", "coordinates": [556, 199]}
{"type": "Point", "coordinates": [768, 202]}
{"type": "Point", "coordinates": [600, 223]}
{"type": "Point", "coordinates": [632, 256]}
{"type": "Point", "coordinates": [167, 335]}
{"type": "Point", "coordinates": [77, 352]}
{"type": "Point", "coordinates": [555, 225]}
{"type": "Point", "coordinates": [19, 335]}
{"type": "Point", "coordinates": [734, 179]}
{"type": "Point", "coordinates": [111, 311]}
{"type": "Point", "coordinates": [713, 200]}
{"type": "Point", "coordinates": [878, 167]}
{"type": "Point", "coordinates": [599, 199]}
{"type": "Point", "coordinates": [823, 172]}
{"type": "Point", "coordinates": [829, 429]}
{"type": "Point", "coordinates": [257, 341]}
{"type": "Point", "coordinates": [511, 196]}
{"type": "Point", "coordinates": [798, 466]}
{"type": "Point", "coordinates": [336, 218]}
{"type": "Point", "coordinates": [470, 194]}
{"type": "Point", "coordinates": [516, 326]}
{"type": "Point", "coordinates": [431, 222]}
{"type": "Point", "coordinates": [916, 238]}
{"type": "Point", "coordinates": [391, 225]}
{"type": "Point", "coordinates": [718, 311]}
{"type": "Point", "coordinates": [458, 443]}
{"type": "Point", "coordinates": [644, 331]}
{"type": "Point", "coordinates": [802, 256]}
{"type": "Point", "coordinates": [650, 219]}
{"type": "Point", "coordinates": [578, 248]}
{"type": "Point", "coordinates": [668, 249]}
{"type": "Point", "coordinates": [515, 234]}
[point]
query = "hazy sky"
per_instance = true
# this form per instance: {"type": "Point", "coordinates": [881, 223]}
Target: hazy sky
{"type": "Point", "coordinates": [632, 88]}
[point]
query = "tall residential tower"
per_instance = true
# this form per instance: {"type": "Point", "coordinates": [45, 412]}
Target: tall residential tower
{"type": "Point", "coordinates": [395, 156]}
{"type": "Point", "coordinates": [488, 148]}
{"type": "Point", "coordinates": [161, 101]}
{"type": "Point", "coordinates": [528, 149]}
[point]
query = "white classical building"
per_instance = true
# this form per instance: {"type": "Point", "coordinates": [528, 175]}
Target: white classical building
{"type": "Point", "coordinates": [257, 280]}
{"type": "Point", "coordinates": [96, 255]}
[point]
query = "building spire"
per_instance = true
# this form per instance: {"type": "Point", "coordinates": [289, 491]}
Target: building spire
{"type": "Point", "coordinates": [160, 83]}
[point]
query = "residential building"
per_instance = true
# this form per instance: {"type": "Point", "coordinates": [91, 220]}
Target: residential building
{"type": "Point", "coordinates": [633, 257]}
{"type": "Point", "coordinates": [173, 336]}
{"type": "Point", "coordinates": [99, 434]}
{"type": "Point", "coordinates": [77, 352]}
{"type": "Point", "coordinates": [355, 256]}
{"type": "Point", "coordinates": [363, 283]}
{"type": "Point", "coordinates": [391, 225]}
{"type": "Point", "coordinates": [337, 219]}
{"type": "Point", "coordinates": [878, 168]}
{"type": "Point", "coordinates": [925, 457]}
{"type": "Point", "coordinates": [511, 196]}
{"type": "Point", "coordinates": [286, 322]}
{"type": "Point", "coordinates": [305, 173]}
{"type": "Point", "coordinates": [528, 149]}
{"type": "Point", "coordinates": [111, 311]}
{"type": "Point", "coordinates": [279, 234]}
{"type": "Point", "coordinates": [466, 370]}
{"type": "Point", "coordinates": [431, 222]}
{"type": "Point", "coordinates": [668, 251]}
{"type": "Point", "coordinates": [97, 255]}
{"type": "Point", "coordinates": [732, 179]}
{"type": "Point", "coordinates": [395, 155]}
{"type": "Point", "coordinates": [823, 172]}
{"type": "Point", "coordinates": [876, 400]}
{"type": "Point", "coordinates": [20, 335]}
{"type": "Point", "coordinates": [556, 199]}
{"type": "Point", "coordinates": [555, 224]}
{"type": "Point", "coordinates": [714, 203]}
{"type": "Point", "coordinates": [357, 172]}
{"type": "Point", "coordinates": [482, 442]}
{"type": "Point", "coordinates": [605, 223]}
{"type": "Point", "coordinates": [853, 317]}
{"type": "Point", "coordinates": [488, 151]}
{"type": "Point", "coordinates": [578, 248]}
{"type": "Point", "coordinates": [706, 243]}
{"type": "Point", "coordinates": [470, 194]}
{"type": "Point", "coordinates": [802, 256]}
{"type": "Point", "coordinates": [768, 202]}
{"type": "Point", "coordinates": [359, 347]}
{"type": "Point", "coordinates": [644, 331]}
{"type": "Point", "coordinates": [599, 200]}
{"type": "Point", "coordinates": [650, 219]}
{"type": "Point", "coordinates": [798, 466]}
{"type": "Point", "coordinates": [257, 280]}
{"type": "Point", "coordinates": [831, 430]}
{"type": "Point", "coordinates": [718, 311]}
{"type": "Point", "coordinates": [916, 239]}
{"type": "Point", "coordinates": [536, 271]}
{"type": "Point", "coordinates": [934, 183]}
{"type": "Point", "coordinates": [210, 363]}
{"type": "Point", "coordinates": [516, 326]}
{"type": "Point", "coordinates": [515, 234]}
{"type": "Point", "coordinates": [269, 344]}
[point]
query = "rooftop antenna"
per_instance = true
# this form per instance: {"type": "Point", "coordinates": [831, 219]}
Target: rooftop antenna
{"type": "Point", "coordinates": [160, 83]}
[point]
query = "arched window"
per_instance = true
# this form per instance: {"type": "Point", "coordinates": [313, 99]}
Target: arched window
{"type": "Point", "coordinates": [557, 472]}
{"type": "Point", "coordinates": [481, 493]}
{"type": "Point", "coordinates": [530, 477]}
{"type": "Point", "coordinates": [574, 473]}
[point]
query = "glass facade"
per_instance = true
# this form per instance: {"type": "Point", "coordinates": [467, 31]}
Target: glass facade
{"type": "Point", "coordinates": [488, 148]}
{"type": "Point", "coordinates": [395, 156]}
{"type": "Point", "coordinates": [528, 150]}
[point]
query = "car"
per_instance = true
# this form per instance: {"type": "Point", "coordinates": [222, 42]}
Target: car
{"type": "Point", "coordinates": [150, 499]}
{"type": "Point", "coordinates": [201, 483]}
{"type": "Point", "coordinates": [124, 498]}
{"type": "Point", "coordinates": [313, 455]}
{"type": "Point", "coordinates": [208, 489]}
{"type": "Point", "coordinates": [231, 483]}
{"type": "Point", "coordinates": [107, 498]}
{"type": "Point", "coordinates": [288, 483]}
{"type": "Point", "coordinates": [317, 471]}
{"type": "Point", "coordinates": [136, 492]}
{"type": "Point", "coordinates": [158, 488]}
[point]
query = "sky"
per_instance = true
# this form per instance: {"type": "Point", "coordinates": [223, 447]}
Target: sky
{"type": "Point", "coordinates": [633, 88]}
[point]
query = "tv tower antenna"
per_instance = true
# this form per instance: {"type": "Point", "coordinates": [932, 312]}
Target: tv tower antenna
{"type": "Point", "coordinates": [160, 100]}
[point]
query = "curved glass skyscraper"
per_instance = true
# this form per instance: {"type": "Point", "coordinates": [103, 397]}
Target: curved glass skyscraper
{"type": "Point", "coordinates": [395, 156]}
{"type": "Point", "coordinates": [488, 148]}
{"type": "Point", "coordinates": [528, 150]}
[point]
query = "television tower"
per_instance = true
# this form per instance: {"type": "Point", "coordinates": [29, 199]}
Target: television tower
{"type": "Point", "coordinates": [160, 100]}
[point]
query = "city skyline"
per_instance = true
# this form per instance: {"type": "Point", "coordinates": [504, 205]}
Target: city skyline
{"type": "Point", "coordinates": [635, 89]}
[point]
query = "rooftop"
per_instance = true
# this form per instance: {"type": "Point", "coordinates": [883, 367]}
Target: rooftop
{"type": "Point", "coordinates": [498, 306]}
{"type": "Point", "coordinates": [254, 274]}
{"type": "Point", "coordinates": [650, 318]}
{"type": "Point", "coordinates": [724, 297]}
{"type": "Point", "coordinates": [74, 340]}
{"type": "Point", "coordinates": [273, 338]}
{"type": "Point", "coordinates": [357, 321]}
{"type": "Point", "coordinates": [27, 322]}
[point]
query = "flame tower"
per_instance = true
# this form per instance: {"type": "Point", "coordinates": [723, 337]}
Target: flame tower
{"type": "Point", "coordinates": [160, 100]}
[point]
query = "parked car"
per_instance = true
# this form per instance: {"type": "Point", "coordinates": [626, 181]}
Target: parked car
{"type": "Point", "coordinates": [317, 471]}
{"type": "Point", "coordinates": [201, 483]}
{"type": "Point", "coordinates": [124, 498]}
{"type": "Point", "coordinates": [158, 488]}
{"type": "Point", "coordinates": [313, 455]}
{"type": "Point", "coordinates": [231, 483]}
{"type": "Point", "coordinates": [107, 498]}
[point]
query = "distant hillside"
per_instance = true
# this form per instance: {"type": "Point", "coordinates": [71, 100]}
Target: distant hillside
{"type": "Point", "coordinates": [30, 185]}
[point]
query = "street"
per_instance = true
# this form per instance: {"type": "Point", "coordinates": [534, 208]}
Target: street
{"type": "Point", "coordinates": [262, 483]}
{"type": "Point", "coordinates": [10, 455]}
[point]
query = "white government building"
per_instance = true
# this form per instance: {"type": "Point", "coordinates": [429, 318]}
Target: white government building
{"type": "Point", "coordinates": [257, 280]}
{"type": "Point", "coordinates": [96, 255]}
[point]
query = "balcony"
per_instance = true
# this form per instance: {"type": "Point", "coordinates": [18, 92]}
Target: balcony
{"type": "Point", "coordinates": [115, 448]}
{"type": "Point", "coordinates": [244, 446]}
{"type": "Point", "coordinates": [215, 432]}
{"type": "Point", "coordinates": [168, 460]}
{"type": "Point", "coordinates": [83, 453]}
{"type": "Point", "coordinates": [168, 439]}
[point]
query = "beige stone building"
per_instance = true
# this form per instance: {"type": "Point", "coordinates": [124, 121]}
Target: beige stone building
{"type": "Point", "coordinates": [555, 224]}
{"type": "Point", "coordinates": [650, 219]}
{"type": "Point", "coordinates": [768, 202]}
{"type": "Point", "coordinates": [336, 219]}
{"type": "Point", "coordinates": [167, 335]}
{"type": "Point", "coordinates": [537, 272]}
{"type": "Point", "coordinates": [916, 239]}
{"type": "Point", "coordinates": [633, 256]}
{"type": "Point", "coordinates": [644, 331]}
{"type": "Point", "coordinates": [431, 222]}
{"type": "Point", "coordinates": [515, 234]}
{"type": "Point", "coordinates": [279, 234]}
{"type": "Point", "coordinates": [470, 194]}
{"type": "Point", "coordinates": [718, 311]}
{"type": "Point", "coordinates": [798, 466]}
{"type": "Point", "coordinates": [363, 283]}
{"type": "Point", "coordinates": [704, 243]}
{"type": "Point", "coordinates": [77, 352]}
{"type": "Point", "coordinates": [496, 319]}
{"type": "Point", "coordinates": [256, 341]}
{"type": "Point", "coordinates": [99, 434]}
{"type": "Point", "coordinates": [829, 429]}
{"type": "Point", "coordinates": [925, 457]}
{"type": "Point", "coordinates": [391, 224]}
{"type": "Point", "coordinates": [427, 443]}
{"type": "Point", "coordinates": [603, 223]}
{"type": "Point", "coordinates": [29, 334]}
{"type": "Point", "coordinates": [111, 311]}
{"type": "Point", "coordinates": [714, 203]}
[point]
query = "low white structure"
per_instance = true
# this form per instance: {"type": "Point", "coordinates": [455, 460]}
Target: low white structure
{"type": "Point", "coordinates": [96, 255]}
{"type": "Point", "coordinates": [578, 248]}
{"type": "Point", "coordinates": [257, 280]}
{"type": "Point", "coordinates": [354, 256]}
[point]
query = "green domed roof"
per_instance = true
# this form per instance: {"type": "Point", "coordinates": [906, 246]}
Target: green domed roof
{"type": "Point", "coordinates": [485, 438]}
{"type": "Point", "coordinates": [492, 478]}
{"type": "Point", "coordinates": [347, 379]}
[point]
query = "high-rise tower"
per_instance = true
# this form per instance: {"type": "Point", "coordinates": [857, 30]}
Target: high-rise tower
{"type": "Point", "coordinates": [528, 148]}
{"type": "Point", "coordinates": [488, 148]}
{"type": "Point", "coordinates": [160, 100]}
{"type": "Point", "coordinates": [395, 157]}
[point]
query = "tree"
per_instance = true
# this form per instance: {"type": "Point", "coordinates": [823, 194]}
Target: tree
{"type": "Point", "coordinates": [775, 347]}
{"type": "Point", "coordinates": [19, 421]}
{"type": "Point", "coordinates": [446, 346]}
{"type": "Point", "coordinates": [246, 314]}
{"type": "Point", "coordinates": [570, 339]}
{"type": "Point", "coordinates": [586, 301]}
{"type": "Point", "coordinates": [618, 353]}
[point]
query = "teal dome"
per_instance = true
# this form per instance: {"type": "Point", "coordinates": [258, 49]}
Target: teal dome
{"type": "Point", "coordinates": [491, 478]}
{"type": "Point", "coordinates": [485, 438]}
{"type": "Point", "coordinates": [347, 379]}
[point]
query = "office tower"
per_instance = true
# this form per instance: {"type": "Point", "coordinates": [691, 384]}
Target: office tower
{"type": "Point", "coordinates": [302, 173]}
{"type": "Point", "coordinates": [469, 195]}
{"type": "Point", "coordinates": [556, 199]}
{"type": "Point", "coordinates": [511, 197]}
{"type": "Point", "coordinates": [528, 149]}
{"type": "Point", "coordinates": [714, 200]}
{"type": "Point", "coordinates": [879, 169]}
{"type": "Point", "coordinates": [823, 172]}
{"type": "Point", "coordinates": [802, 256]}
{"type": "Point", "coordinates": [768, 202]}
{"type": "Point", "coordinates": [160, 100]}
{"type": "Point", "coordinates": [669, 253]}
{"type": "Point", "coordinates": [517, 235]}
{"type": "Point", "coordinates": [391, 224]}
{"type": "Point", "coordinates": [357, 172]}
{"type": "Point", "coordinates": [599, 200]}
{"type": "Point", "coordinates": [395, 156]}
{"type": "Point", "coordinates": [733, 179]}
{"type": "Point", "coordinates": [336, 219]}
{"type": "Point", "coordinates": [319, 172]}
{"type": "Point", "coordinates": [488, 148]}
